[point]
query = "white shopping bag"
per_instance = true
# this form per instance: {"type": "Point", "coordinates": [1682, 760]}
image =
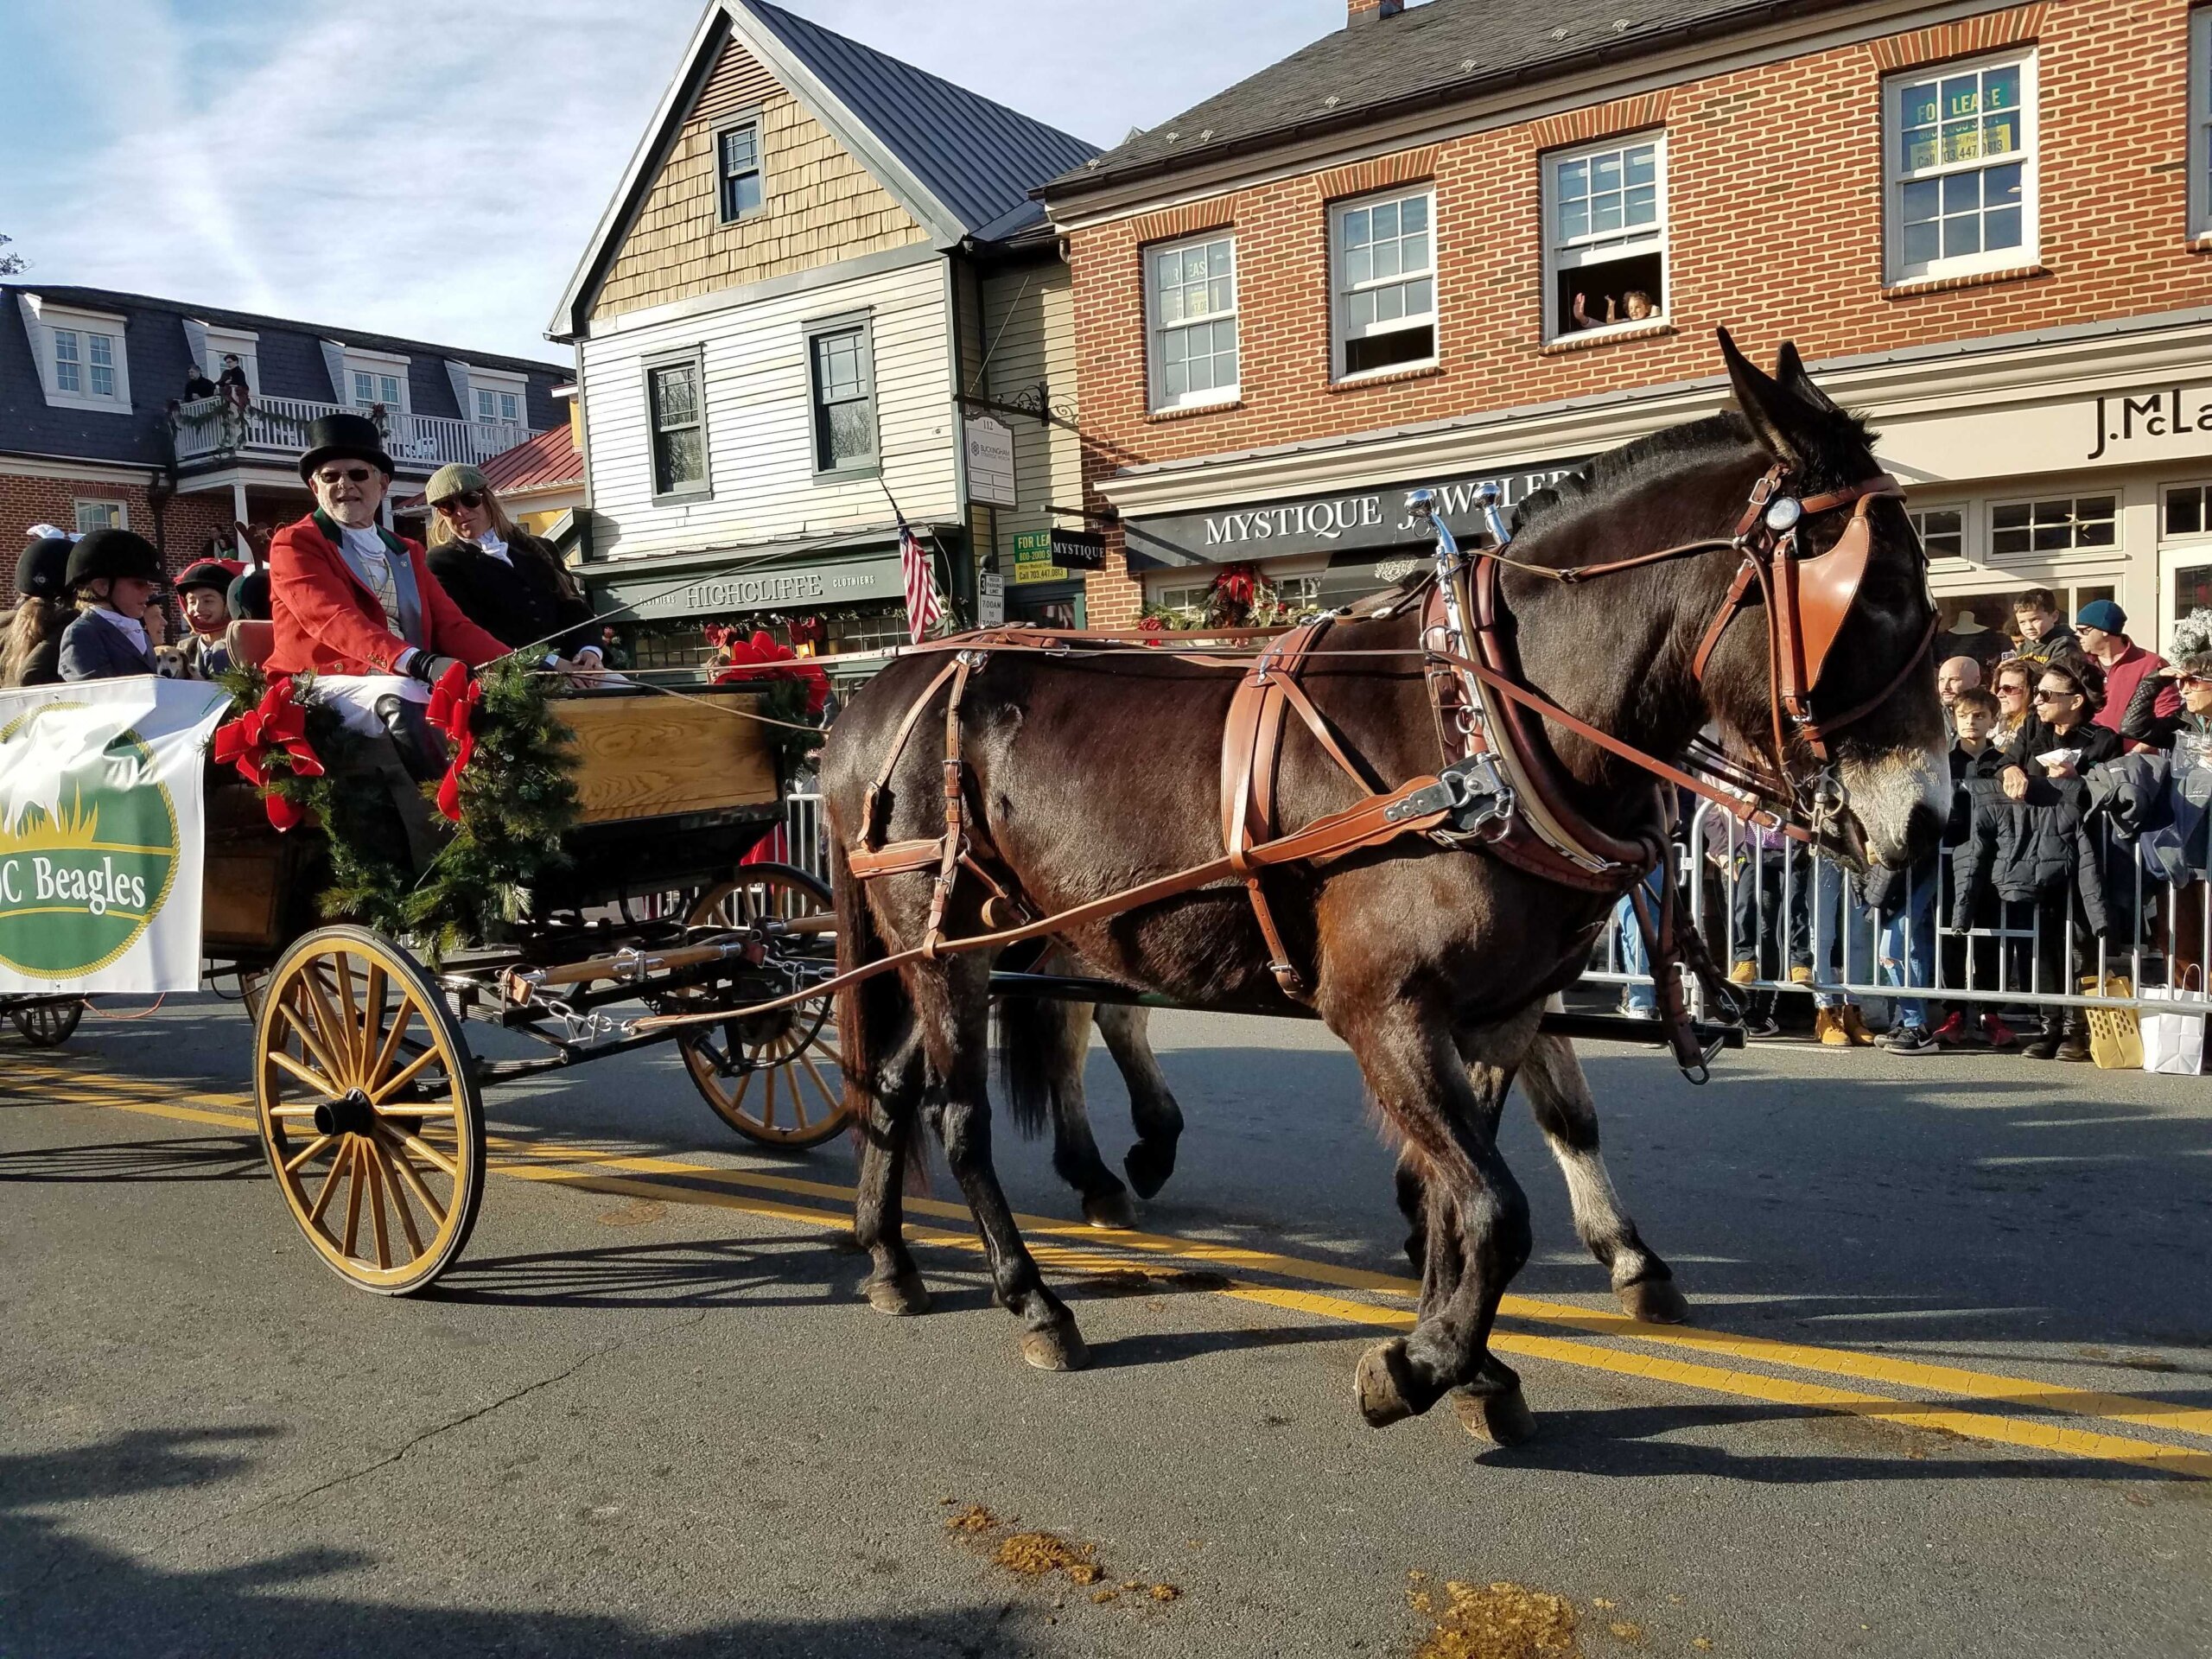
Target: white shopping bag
{"type": "Point", "coordinates": [2173, 1043]}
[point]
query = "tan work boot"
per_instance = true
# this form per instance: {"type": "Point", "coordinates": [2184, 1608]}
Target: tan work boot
{"type": "Point", "coordinates": [1745, 972]}
{"type": "Point", "coordinates": [1801, 975]}
{"type": "Point", "coordinates": [1854, 1027]}
{"type": "Point", "coordinates": [1827, 1028]}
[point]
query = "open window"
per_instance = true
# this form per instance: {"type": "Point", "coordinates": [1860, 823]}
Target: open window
{"type": "Point", "coordinates": [1606, 236]}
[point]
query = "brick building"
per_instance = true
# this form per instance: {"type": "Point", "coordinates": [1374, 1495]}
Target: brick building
{"type": "Point", "coordinates": [97, 426]}
{"type": "Point", "coordinates": [1472, 240]}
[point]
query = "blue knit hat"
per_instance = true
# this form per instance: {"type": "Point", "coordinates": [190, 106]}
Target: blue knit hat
{"type": "Point", "coordinates": [2102, 613]}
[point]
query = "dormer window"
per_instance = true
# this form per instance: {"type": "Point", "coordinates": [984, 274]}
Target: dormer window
{"type": "Point", "coordinates": [494, 406]}
{"type": "Point", "coordinates": [80, 356]}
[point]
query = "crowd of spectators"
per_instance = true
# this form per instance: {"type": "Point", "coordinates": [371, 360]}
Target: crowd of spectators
{"type": "Point", "coordinates": [2075, 838]}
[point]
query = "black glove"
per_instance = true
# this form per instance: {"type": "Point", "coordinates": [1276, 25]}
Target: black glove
{"type": "Point", "coordinates": [430, 668]}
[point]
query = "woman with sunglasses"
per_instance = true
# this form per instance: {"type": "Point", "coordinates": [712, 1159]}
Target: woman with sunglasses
{"type": "Point", "coordinates": [2190, 673]}
{"type": "Point", "coordinates": [2013, 685]}
{"type": "Point", "coordinates": [504, 579]}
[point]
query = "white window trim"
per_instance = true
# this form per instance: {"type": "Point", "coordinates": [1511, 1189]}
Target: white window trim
{"type": "Point", "coordinates": [496, 381]}
{"type": "Point", "coordinates": [2030, 252]}
{"type": "Point", "coordinates": [1662, 244]}
{"type": "Point", "coordinates": [122, 508]}
{"type": "Point", "coordinates": [1156, 360]}
{"type": "Point", "coordinates": [753, 119]}
{"type": "Point", "coordinates": [1964, 558]}
{"type": "Point", "coordinates": [2200, 122]}
{"type": "Point", "coordinates": [245, 342]}
{"type": "Point", "coordinates": [2058, 557]}
{"type": "Point", "coordinates": [376, 363]}
{"type": "Point", "coordinates": [1339, 294]}
{"type": "Point", "coordinates": [42, 318]}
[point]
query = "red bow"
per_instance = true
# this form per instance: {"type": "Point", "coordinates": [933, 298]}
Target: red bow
{"type": "Point", "coordinates": [275, 723]}
{"type": "Point", "coordinates": [761, 657]}
{"type": "Point", "coordinates": [1238, 584]}
{"type": "Point", "coordinates": [453, 708]}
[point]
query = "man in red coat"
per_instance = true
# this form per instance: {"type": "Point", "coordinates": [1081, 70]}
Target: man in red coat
{"type": "Point", "coordinates": [346, 595]}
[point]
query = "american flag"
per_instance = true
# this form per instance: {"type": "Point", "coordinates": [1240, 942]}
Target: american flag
{"type": "Point", "coordinates": [923, 611]}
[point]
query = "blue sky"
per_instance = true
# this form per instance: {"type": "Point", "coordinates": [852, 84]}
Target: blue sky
{"type": "Point", "coordinates": [432, 170]}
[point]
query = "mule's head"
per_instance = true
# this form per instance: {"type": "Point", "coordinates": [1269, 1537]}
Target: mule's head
{"type": "Point", "coordinates": [1889, 756]}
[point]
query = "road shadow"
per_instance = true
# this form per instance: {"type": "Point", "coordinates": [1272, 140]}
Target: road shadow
{"type": "Point", "coordinates": [190, 1158]}
{"type": "Point", "coordinates": [790, 1270]}
{"type": "Point", "coordinates": [66, 1597]}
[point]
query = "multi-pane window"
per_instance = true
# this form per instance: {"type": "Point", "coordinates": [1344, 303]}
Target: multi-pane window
{"type": "Point", "coordinates": [371, 388]}
{"type": "Point", "coordinates": [495, 405]}
{"type": "Point", "coordinates": [2187, 511]}
{"type": "Point", "coordinates": [1962, 169]}
{"type": "Point", "coordinates": [1605, 236]}
{"type": "Point", "coordinates": [99, 515]}
{"type": "Point", "coordinates": [1191, 293]}
{"type": "Point", "coordinates": [2054, 526]}
{"type": "Point", "coordinates": [2200, 121]}
{"type": "Point", "coordinates": [84, 364]}
{"type": "Point", "coordinates": [844, 400]}
{"type": "Point", "coordinates": [1942, 532]}
{"type": "Point", "coordinates": [739, 163]}
{"type": "Point", "coordinates": [679, 428]}
{"type": "Point", "coordinates": [1385, 269]}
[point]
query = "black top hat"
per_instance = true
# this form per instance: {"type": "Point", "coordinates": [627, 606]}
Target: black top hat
{"type": "Point", "coordinates": [334, 438]}
{"type": "Point", "coordinates": [110, 552]}
{"type": "Point", "coordinates": [43, 572]}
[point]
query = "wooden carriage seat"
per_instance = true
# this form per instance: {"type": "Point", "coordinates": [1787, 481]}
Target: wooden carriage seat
{"type": "Point", "coordinates": [250, 642]}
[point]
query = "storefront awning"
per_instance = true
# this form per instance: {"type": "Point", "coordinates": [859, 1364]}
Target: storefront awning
{"type": "Point", "coordinates": [819, 574]}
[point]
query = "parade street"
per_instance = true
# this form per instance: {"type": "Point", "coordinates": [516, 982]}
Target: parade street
{"type": "Point", "coordinates": [1950, 1381]}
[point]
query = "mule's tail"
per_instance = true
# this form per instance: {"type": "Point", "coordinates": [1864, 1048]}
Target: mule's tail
{"type": "Point", "coordinates": [864, 1022]}
{"type": "Point", "coordinates": [1031, 1041]}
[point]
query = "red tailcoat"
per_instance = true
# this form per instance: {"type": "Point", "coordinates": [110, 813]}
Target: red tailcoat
{"type": "Point", "coordinates": [327, 621]}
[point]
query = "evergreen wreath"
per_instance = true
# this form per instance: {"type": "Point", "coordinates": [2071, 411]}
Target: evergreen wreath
{"type": "Point", "coordinates": [517, 801]}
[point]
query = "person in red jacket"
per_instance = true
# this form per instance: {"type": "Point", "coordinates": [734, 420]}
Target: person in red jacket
{"type": "Point", "coordinates": [346, 595]}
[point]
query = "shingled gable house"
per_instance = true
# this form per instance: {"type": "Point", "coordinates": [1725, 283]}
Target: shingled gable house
{"type": "Point", "coordinates": [1472, 240]}
{"type": "Point", "coordinates": [95, 428]}
{"type": "Point", "coordinates": [822, 287]}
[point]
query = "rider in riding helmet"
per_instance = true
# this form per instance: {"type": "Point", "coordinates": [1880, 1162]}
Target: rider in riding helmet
{"type": "Point", "coordinates": [202, 594]}
{"type": "Point", "coordinates": [115, 576]}
{"type": "Point", "coordinates": [32, 652]}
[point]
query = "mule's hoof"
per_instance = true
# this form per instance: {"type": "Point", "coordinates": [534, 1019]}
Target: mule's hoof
{"type": "Point", "coordinates": [902, 1293]}
{"type": "Point", "coordinates": [1379, 1385]}
{"type": "Point", "coordinates": [1655, 1301]}
{"type": "Point", "coordinates": [1111, 1209]}
{"type": "Point", "coordinates": [1056, 1348]}
{"type": "Point", "coordinates": [1502, 1419]}
{"type": "Point", "coordinates": [1148, 1168]}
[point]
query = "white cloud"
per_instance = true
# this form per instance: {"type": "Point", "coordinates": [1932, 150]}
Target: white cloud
{"type": "Point", "coordinates": [433, 170]}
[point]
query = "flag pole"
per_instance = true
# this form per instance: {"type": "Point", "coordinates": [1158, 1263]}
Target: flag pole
{"type": "Point", "coordinates": [951, 592]}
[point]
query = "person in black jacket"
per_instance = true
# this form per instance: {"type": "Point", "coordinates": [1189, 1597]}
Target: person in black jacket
{"type": "Point", "coordinates": [32, 652]}
{"type": "Point", "coordinates": [115, 576]}
{"type": "Point", "coordinates": [2031, 845]}
{"type": "Point", "coordinates": [506, 580]}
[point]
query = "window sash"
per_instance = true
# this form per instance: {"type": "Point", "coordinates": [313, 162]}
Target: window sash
{"type": "Point", "coordinates": [2054, 524]}
{"type": "Point", "coordinates": [842, 376]}
{"type": "Point", "coordinates": [672, 418]}
{"type": "Point", "coordinates": [1405, 279]}
{"type": "Point", "coordinates": [99, 515]}
{"type": "Point", "coordinates": [371, 387]}
{"type": "Point", "coordinates": [1183, 336]}
{"type": "Point", "coordinates": [2200, 122]}
{"type": "Point", "coordinates": [1911, 189]}
{"type": "Point", "coordinates": [1591, 247]}
{"type": "Point", "coordinates": [738, 167]}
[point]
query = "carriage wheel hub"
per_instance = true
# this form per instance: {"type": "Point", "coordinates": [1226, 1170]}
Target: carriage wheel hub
{"type": "Point", "coordinates": [350, 1114]}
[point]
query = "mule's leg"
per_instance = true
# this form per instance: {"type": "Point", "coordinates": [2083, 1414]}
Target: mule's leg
{"type": "Point", "coordinates": [1066, 1042]}
{"type": "Point", "coordinates": [1447, 1109]}
{"type": "Point", "coordinates": [1413, 1205]}
{"type": "Point", "coordinates": [892, 1101]}
{"type": "Point", "coordinates": [1559, 1096]}
{"type": "Point", "coordinates": [1153, 1109]}
{"type": "Point", "coordinates": [952, 1013]}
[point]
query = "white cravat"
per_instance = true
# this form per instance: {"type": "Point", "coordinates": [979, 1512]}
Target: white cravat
{"type": "Point", "coordinates": [491, 543]}
{"type": "Point", "coordinates": [130, 626]}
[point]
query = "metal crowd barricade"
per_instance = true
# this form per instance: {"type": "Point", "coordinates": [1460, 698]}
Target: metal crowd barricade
{"type": "Point", "coordinates": [1781, 908]}
{"type": "Point", "coordinates": [806, 832]}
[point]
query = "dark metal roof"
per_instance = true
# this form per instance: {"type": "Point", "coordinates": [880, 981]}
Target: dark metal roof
{"type": "Point", "coordinates": [981, 159]}
{"type": "Point", "coordinates": [289, 361]}
{"type": "Point", "coordinates": [1446, 51]}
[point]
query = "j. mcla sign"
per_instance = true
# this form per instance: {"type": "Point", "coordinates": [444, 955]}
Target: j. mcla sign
{"type": "Point", "coordinates": [1317, 523]}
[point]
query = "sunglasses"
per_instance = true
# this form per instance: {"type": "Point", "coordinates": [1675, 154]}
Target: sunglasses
{"type": "Point", "coordinates": [2011, 691]}
{"type": "Point", "coordinates": [2193, 679]}
{"type": "Point", "coordinates": [470, 498]}
{"type": "Point", "coordinates": [352, 475]}
{"type": "Point", "coordinates": [2045, 694]}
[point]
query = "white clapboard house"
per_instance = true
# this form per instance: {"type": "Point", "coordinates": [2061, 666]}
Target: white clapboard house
{"type": "Point", "coordinates": [821, 286]}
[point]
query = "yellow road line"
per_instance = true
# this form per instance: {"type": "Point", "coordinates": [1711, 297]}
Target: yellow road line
{"type": "Point", "coordinates": [1105, 1250]}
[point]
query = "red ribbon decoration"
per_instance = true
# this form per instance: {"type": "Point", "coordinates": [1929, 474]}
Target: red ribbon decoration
{"type": "Point", "coordinates": [761, 657]}
{"type": "Point", "coordinates": [275, 724]}
{"type": "Point", "coordinates": [453, 709]}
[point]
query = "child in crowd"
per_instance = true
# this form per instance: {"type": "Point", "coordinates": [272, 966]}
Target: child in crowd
{"type": "Point", "coordinates": [115, 576]}
{"type": "Point", "coordinates": [1976, 758]}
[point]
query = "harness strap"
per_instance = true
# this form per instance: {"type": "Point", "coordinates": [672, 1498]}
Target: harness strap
{"type": "Point", "coordinates": [872, 802]}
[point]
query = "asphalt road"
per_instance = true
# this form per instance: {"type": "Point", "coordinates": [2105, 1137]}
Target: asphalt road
{"type": "Point", "coordinates": [1950, 1390]}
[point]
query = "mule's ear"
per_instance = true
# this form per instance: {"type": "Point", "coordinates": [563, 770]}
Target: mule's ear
{"type": "Point", "coordinates": [1782, 421]}
{"type": "Point", "coordinates": [1789, 370]}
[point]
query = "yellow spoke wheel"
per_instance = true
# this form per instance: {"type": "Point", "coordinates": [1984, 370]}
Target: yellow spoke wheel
{"type": "Point", "coordinates": [369, 1109]}
{"type": "Point", "coordinates": [774, 1079]}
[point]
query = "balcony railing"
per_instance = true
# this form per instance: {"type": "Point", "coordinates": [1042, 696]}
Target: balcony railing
{"type": "Point", "coordinates": [275, 429]}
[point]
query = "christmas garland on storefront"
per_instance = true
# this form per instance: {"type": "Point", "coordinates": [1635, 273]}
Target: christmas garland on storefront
{"type": "Point", "coordinates": [1241, 597]}
{"type": "Point", "coordinates": [510, 794]}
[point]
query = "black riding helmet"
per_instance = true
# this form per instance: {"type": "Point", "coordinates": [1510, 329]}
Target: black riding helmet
{"type": "Point", "coordinates": [43, 572]}
{"type": "Point", "coordinates": [114, 553]}
{"type": "Point", "coordinates": [249, 597]}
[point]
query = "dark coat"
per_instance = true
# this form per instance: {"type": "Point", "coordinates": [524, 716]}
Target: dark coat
{"type": "Point", "coordinates": [92, 649]}
{"type": "Point", "coordinates": [520, 603]}
{"type": "Point", "coordinates": [2041, 848]}
{"type": "Point", "coordinates": [2097, 744]}
{"type": "Point", "coordinates": [2144, 723]}
{"type": "Point", "coordinates": [43, 663]}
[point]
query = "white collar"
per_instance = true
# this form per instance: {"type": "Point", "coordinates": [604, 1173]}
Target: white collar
{"type": "Point", "coordinates": [130, 626]}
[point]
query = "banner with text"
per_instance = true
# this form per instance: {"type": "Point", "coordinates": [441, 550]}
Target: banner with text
{"type": "Point", "coordinates": [101, 837]}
